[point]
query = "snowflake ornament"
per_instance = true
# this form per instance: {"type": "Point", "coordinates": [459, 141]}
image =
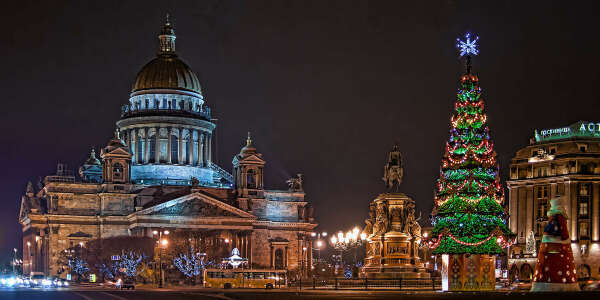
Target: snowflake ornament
{"type": "Point", "coordinates": [468, 47]}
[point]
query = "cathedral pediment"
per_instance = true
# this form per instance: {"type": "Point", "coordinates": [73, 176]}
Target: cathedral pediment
{"type": "Point", "coordinates": [250, 159]}
{"type": "Point", "coordinates": [118, 151]}
{"type": "Point", "coordinates": [195, 205]}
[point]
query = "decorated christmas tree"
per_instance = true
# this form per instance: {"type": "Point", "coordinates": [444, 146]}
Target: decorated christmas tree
{"type": "Point", "coordinates": [468, 216]}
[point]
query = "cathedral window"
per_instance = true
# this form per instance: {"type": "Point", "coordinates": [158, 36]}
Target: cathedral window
{"type": "Point", "coordinates": [251, 179]}
{"type": "Point", "coordinates": [174, 149]}
{"type": "Point", "coordinates": [152, 155]}
{"type": "Point", "coordinates": [117, 171]}
{"type": "Point", "coordinates": [279, 259]}
{"type": "Point", "coordinates": [139, 145]}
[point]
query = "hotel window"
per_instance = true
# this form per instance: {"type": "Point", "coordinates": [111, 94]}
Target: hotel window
{"type": "Point", "coordinates": [584, 230]}
{"type": "Point", "coordinates": [542, 202]}
{"type": "Point", "coordinates": [582, 147]}
{"type": "Point", "coordinates": [583, 190]}
{"type": "Point", "coordinates": [542, 192]}
{"type": "Point", "coordinates": [552, 150]}
{"type": "Point", "coordinates": [542, 208]}
{"type": "Point", "coordinates": [583, 209]}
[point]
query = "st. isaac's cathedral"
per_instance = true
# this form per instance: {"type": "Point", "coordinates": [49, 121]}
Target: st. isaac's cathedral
{"type": "Point", "coordinates": [157, 173]}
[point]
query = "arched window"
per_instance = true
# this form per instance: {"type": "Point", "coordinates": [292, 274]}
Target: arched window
{"type": "Point", "coordinates": [174, 149]}
{"type": "Point", "coordinates": [139, 145]}
{"type": "Point", "coordinates": [152, 155]}
{"type": "Point", "coordinates": [251, 179]}
{"type": "Point", "coordinates": [279, 259]}
{"type": "Point", "coordinates": [117, 171]}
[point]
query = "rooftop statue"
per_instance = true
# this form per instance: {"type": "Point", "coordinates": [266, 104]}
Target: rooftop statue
{"type": "Point", "coordinates": [295, 184]}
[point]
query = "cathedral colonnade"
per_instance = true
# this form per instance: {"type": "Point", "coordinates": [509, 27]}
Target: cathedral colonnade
{"type": "Point", "coordinates": [174, 144]}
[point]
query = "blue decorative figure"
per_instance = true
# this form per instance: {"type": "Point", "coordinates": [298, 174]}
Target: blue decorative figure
{"type": "Point", "coordinates": [469, 46]}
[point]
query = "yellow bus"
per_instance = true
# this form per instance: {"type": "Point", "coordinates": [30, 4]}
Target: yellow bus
{"type": "Point", "coordinates": [244, 278]}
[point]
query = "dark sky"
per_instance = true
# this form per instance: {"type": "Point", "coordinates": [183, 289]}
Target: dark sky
{"type": "Point", "coordinates": [326, 87]}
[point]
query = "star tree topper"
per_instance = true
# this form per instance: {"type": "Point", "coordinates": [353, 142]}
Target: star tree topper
{"type": "Point", "coordinates": [469, 46]}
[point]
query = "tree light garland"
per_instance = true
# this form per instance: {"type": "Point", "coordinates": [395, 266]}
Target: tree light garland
{"type": "Point", "coordinates": [468, 211]}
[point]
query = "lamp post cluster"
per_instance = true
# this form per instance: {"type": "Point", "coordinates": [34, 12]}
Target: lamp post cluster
{"type": "Point", "coordinates": [162, 244]}
{"type": "Point", "coordinates": [351, 240]}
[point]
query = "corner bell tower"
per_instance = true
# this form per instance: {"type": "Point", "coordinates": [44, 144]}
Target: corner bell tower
{"type": "Point", "coordinates": [116, 161]}
{"type": "Point", "coordinates": [248, 170]}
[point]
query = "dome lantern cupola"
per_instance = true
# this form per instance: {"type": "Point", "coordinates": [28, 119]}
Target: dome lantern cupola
{"type": "Point", "coordinates": [167, 38]}
{"type": "Point", "coordinates": [167, 72]}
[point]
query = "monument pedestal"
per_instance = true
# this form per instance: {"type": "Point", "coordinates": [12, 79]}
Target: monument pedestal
{"type": "Point", "coordinates": [392, 248]}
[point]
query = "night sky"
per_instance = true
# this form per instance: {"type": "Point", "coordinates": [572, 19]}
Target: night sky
{"type": "Point", "coordinates": [325, 87]}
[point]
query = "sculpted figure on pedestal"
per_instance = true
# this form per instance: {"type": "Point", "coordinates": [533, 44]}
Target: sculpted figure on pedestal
{"type": "Point", "coordinates": [368, 230]}
{"type": "Point", "coordinates": [381, 220]}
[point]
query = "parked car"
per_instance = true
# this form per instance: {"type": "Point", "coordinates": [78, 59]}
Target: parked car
{"type": "Point", "coordinates": [591, 284]}
{"type": "Point", "coordinates": [128, 284]}
{"type": "Point", "coordinates": [9, 281]}
{"type": "Point", "coordinates": [521, 286]}
{"type": "Point", "coordinates": [36, 279]}
{"type": "Point", "coordinates": [59, 282]}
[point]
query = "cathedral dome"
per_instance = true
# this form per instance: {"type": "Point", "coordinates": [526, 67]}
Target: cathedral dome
{"type": "Point", "coordinates": [167, 71]}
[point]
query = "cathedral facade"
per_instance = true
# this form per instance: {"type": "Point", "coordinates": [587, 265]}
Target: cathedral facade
{"type": "Point", "coordinates": [157, 173]}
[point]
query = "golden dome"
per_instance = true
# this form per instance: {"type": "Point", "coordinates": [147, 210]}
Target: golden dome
{"type": "Point", "coordinates": [167, 71]}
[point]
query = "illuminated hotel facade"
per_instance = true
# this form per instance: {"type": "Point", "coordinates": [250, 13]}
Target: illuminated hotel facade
{"type": "Point", "coordinates": [557, 162]}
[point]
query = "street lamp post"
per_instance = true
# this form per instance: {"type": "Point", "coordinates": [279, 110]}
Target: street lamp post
{"type": "Point", "coordinates": [162, 243]}
{"type": "Point", "coordinates": [319, 243]}
{"type": "Point", "coordinates": [29, 258]}
{"type": "Point", "coordinates": [14, 261]}
{"type": "Point", "coordinates": [303, 260]}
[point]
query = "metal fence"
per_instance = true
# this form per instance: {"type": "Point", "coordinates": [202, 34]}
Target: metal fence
{"type": "Point", "coordinates": [407, 284]}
